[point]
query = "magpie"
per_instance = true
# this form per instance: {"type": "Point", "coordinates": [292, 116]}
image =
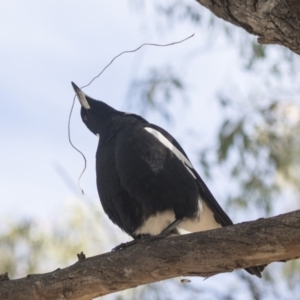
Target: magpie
{"type": "Point", "coordinates": [146, 183]}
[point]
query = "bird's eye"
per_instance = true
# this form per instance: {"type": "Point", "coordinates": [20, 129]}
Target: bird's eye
{"type": "Point", "coordinates": [85, 117]}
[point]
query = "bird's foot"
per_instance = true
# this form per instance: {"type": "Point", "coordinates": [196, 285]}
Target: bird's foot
{"type": "Point", "coordinates": [170, 230]}
{"type": "Point", "coordinates": [125, 245]}
{"type": "Point", "coordinates": [136, 240]}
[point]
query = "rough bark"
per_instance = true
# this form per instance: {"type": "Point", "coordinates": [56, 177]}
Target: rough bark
{"type": "Point", "coordinates": [198, 254]}
{"type": "Point", "coordinates": [274, 21]}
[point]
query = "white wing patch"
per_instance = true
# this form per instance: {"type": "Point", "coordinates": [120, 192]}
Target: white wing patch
{"type": "Point", "coordinates": [170, 146]}
{"type": "Point", "coordinates": [190, 170]}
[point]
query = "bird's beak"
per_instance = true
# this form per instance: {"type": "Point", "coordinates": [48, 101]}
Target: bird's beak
{"type": "Point", "coordinates": [81, 96]}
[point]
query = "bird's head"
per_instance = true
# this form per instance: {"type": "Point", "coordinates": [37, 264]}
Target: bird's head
{"type": "Point", "coordinates": [95, 114]}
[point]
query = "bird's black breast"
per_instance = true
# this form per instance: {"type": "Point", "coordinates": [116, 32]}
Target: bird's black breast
{"type": "Point", "coordinates": [117, 203]}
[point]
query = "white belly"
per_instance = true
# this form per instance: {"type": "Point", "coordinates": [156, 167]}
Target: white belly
{"type": "Point", "coordinates": [204, 220]}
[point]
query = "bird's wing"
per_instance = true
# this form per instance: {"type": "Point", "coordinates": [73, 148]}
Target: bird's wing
{"type": "Point", "coordinates": [165, 138]}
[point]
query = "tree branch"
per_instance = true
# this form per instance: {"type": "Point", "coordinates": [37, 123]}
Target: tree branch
{"type": "Point", "coordinates": [274, 21]}
{"type": "Point", "coordinates": [199, 254]}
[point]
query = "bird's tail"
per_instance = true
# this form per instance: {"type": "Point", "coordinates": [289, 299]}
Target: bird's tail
{"type": "Point", "coordinates": [255, 270]}
{"type": "Point", "coordinates": [207, 221]}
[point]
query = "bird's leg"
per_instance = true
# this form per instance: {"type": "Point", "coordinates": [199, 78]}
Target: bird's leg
{"type": "Point", "coordinates": [147, 237]}
{"type": "Point", "coordinates": [170, 228]}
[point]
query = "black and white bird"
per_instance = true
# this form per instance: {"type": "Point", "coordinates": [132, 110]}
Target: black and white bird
{"type": "Point", "coordinates": [146, 182]}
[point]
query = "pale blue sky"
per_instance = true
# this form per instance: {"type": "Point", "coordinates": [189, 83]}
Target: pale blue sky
{"type": "Point", "coordinates": [45, 46]}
